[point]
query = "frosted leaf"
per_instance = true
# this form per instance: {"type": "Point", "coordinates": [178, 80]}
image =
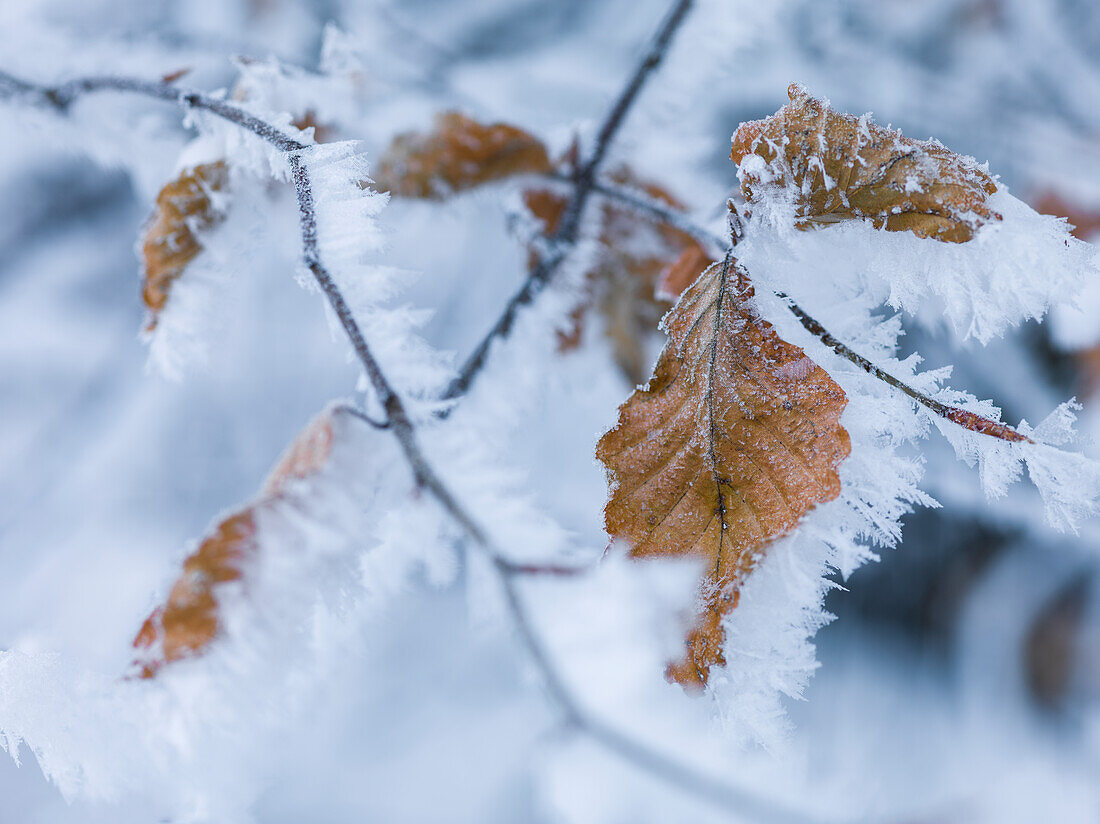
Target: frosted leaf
{"type": "Point", "coordinates": [1009, 268]}
{"type": "Point", "coordinates": [734, 439]}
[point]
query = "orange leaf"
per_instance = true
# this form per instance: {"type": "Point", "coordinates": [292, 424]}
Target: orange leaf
{"type": "Point", "coordinates": [842, 167]}
{"type": "Point", "coordinates": [189, 621]}
{"type": "Point", "coordinates": [183, 208]}
{"type": "Point", "coordinates": [736, 437]}
{"type": "Point", "coordinates": [458, 154]}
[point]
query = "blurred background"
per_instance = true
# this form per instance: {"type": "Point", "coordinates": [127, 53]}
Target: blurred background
{"type": "Point", "coordinates": [967, 660]}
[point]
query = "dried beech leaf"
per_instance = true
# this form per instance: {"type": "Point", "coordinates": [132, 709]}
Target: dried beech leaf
{"type": "Point", "coordinates": [735, 438]}
{"type": "Point", "coordinates": [184, 207]}
{"type": "Point", "coordinates": [634, 255]}
{"type": "Point", "coordinates": [458, 154]}
{"type": "Point", "coordinates": [189, 620]}
{"type": "Point", "coordinates": [842, 167]}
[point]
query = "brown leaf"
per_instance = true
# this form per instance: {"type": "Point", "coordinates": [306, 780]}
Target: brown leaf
{"type": "Point", "coordinates": [735, 438]}
{"type": "Point", "coordinates": [189, 620]}
{"type": "Point", "coordinates": [458, 154]}
{"type": "Point", "coordinates": [183, 208]}
{"type": "Point", "coordinates": [842, 167]}
{"type": "Point", "coordinates": [634, 255]}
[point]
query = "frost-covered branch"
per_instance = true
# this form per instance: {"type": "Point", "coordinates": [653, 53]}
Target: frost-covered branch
{"type": "Point", "coordinates": [400, 424]}
{"type": "Point", "coordinates": [650, 61]}
{"type": "Point", "coordinates": [583, 180]}
{"type": "Point", "coordinates": [964, 418]}
{"type": "Point", "coordinates": [62, 96]}
{"type": "Point", "coordinates": [656, 210]}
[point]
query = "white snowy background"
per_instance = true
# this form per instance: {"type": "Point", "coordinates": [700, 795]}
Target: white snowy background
{"type": "Point", "coordinates": [960, 681]}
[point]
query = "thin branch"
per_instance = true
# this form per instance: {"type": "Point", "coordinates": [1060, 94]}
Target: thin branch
{"type": "Point", "coordinates": [964, 418]}
{"type": "Point", "coordinates": [355, 411]}
{"type": "Point", "coordinates": [61, 98]}
{"type": "Point", "coordinates": [674, 773]}
{"type": "Point", "coordinates": [528, 569]}
{"type": "Point", "coordinates": [502, 327]}
{"type": "Point", "coordinates": [662, 213]}
{"type": "Point", "coordinates": [650, 61]}
{"type": "Point", "coordinates": [652, 761]}
{"type": "Point", "coordinates": [583, 180]}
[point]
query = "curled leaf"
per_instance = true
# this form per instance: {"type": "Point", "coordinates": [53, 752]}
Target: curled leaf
{"type": "Point", "coordinates": [736, 437]}
{"type": "Point", "coordinates": [458, 154]}
{"type": "Point", "coordinates": [184, 207]}
{"type": "Point", "coordinates": [635, 253]}
{"type": "Point", "coordinates": [840, 167]}
{"type": "Point", "coordinates": [190, 619]}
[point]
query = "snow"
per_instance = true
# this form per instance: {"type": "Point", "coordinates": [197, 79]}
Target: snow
{"type": "Point", "coordinates": [371, 669]}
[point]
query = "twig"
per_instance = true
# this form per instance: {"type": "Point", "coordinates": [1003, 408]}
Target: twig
{"type": "Point", "coordinates": [583, 180]}
{"type": "Point", "coordinates": [551, 570]}
{"type": "Point", "coordinates": [61, 98]}
{"type": "Point", "coordinates": [964, 418]}
{"type": "Point", "coordinates": [652, 59]}
{"type": "Point", "coordinates": [674, 773]}
{"type": "Point", "coordinates": [660, 212]}
{"type": "Point", "coordinates": [355, 411]}
{"type": "Point", "coordinates": [655, 763]}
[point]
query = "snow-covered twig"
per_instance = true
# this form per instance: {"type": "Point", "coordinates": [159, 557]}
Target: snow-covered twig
{"type": "Point", "coordinates": [641, 202]}
{"type": "Point", "coordinates": [62, 96]}
{"type": "Point", "coordinates": [583, 180]}
{"type": "Point", "coordinates": [962, 417]}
